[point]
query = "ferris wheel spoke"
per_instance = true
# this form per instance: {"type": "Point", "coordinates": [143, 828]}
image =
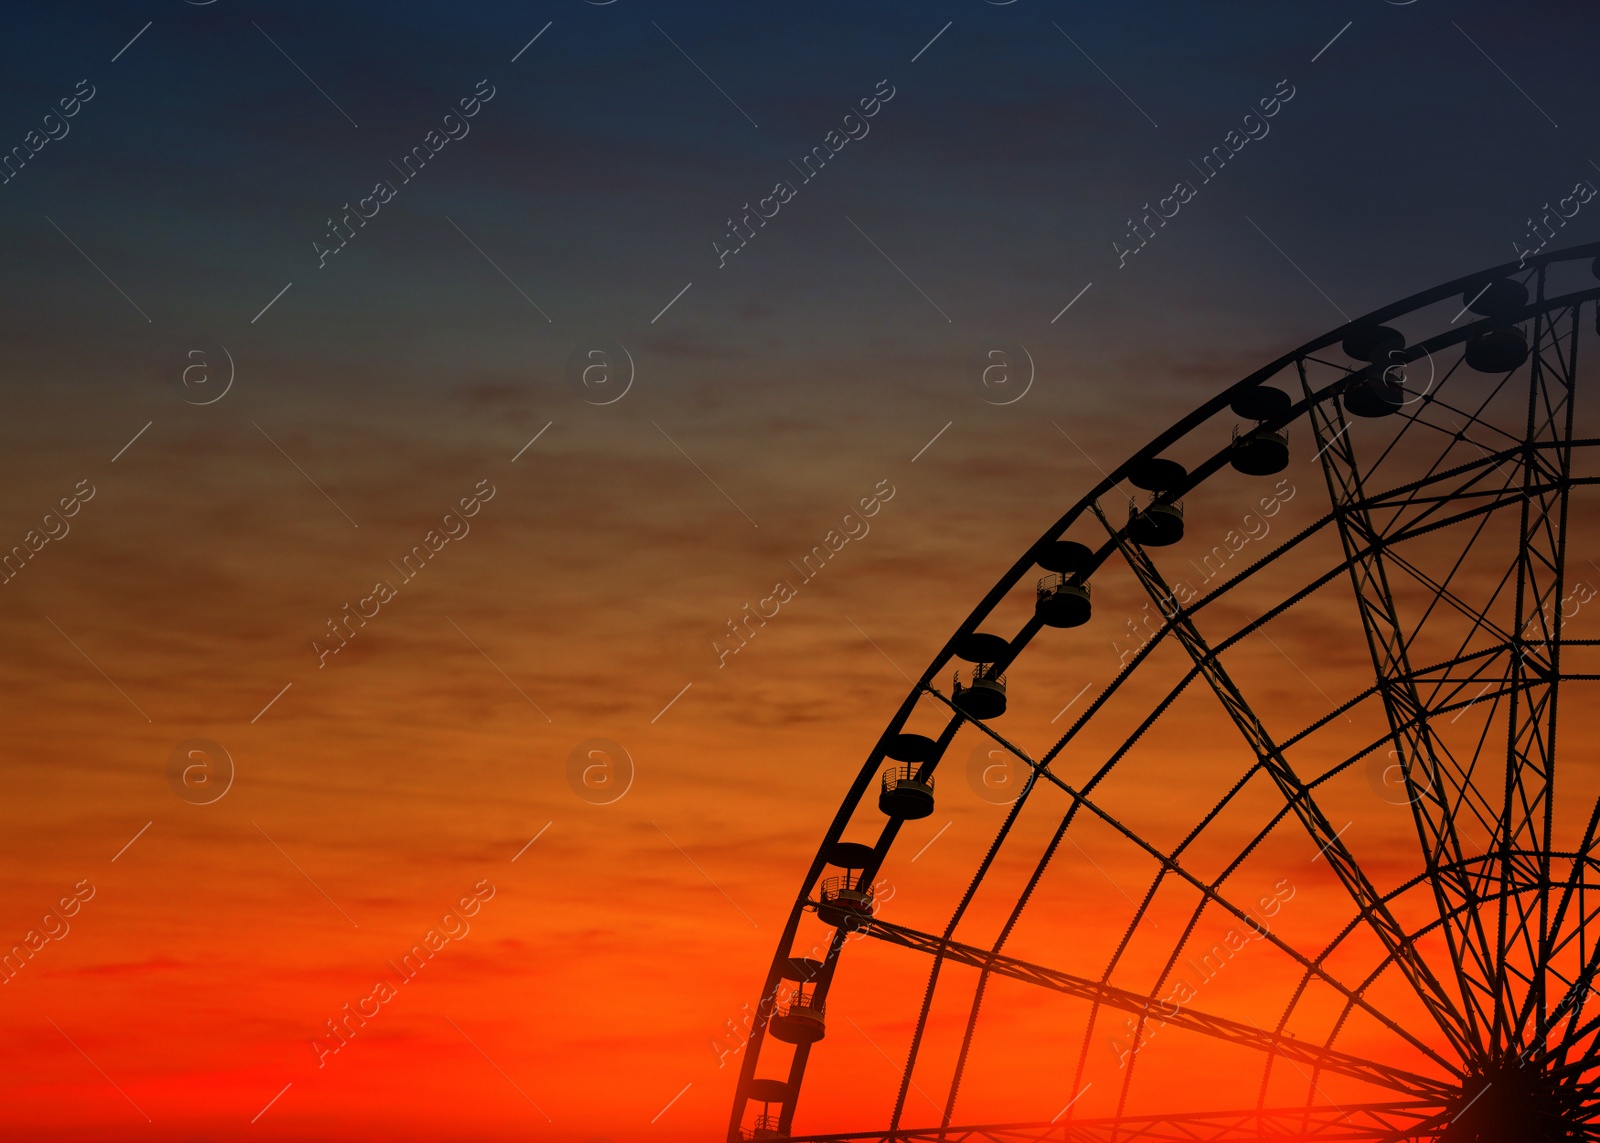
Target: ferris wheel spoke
{"type": "Point", "coordinates": [1095, 1007]}
{"type": "Point", "coordinates": [1461, 796]}
{"type": "Point", "coordinates": [1440, 488]}
{"type": "Point", "coordinates": [1577, 989]}
{"type": "Point", "coordinates": [1480, 618]}
{"type": "Point", "coordinates": [1466, 796]}
{"type": "Point", "coordinates": [955, 920]}
{"type": "Point", "coordinates": [1475, 417]}
{"type": "Point", "coordinates": [1557, 940]}
{"type": "Point", "coordinates": [1457, 431]}
{"type": "Point", "coordinates": [1137, 1026]}
{"type": "Point", "coordinates": [1512, 916]}
{"type": "Point", "coordinates": [1442, 594]}
{"type": "Point", "coordinates": [1207, 890]}
{"type": "Point", "coordinates": [1415, 748]}
{"type": "Point", "coordinates": [1344, 1123]}
{"type": "Point", "coordinates": [1141, 909]}
{"type": "Point", "coordinates": [1123, 1000]}
{"type": "Point", "coordinates": [1436, 481]}
{"type": "Point", "coordinates": [1413, 492]}
{"type": "Point", "coordinates": [1526, 819]}
{"type": "Point", "coordinates": [1412, 529]}
{"type": "Point", "coordinates": [1436, 674]}
{"type": "Point", "coordinates": [1176, 855]}
{"type": "Point", "coordinates": [1324, 578]}
{"type": "Point", "coordinates": [1295, 792]}
{"type": "Point", "coordinates": [1485, 658]}
{"type": "Point", "coordinates": [1536, 1051]}
{"type": "Point", "coordinates": [1005, 933]}
{"type": "Point", "coordinates": [1577, 1033]}
{"type": "Point", "coordinates": [1571, 1007]}
{"type": "Point", "coordinates": [1442, 469]}
{"type": "Point", "coordinates": [1182, 941]}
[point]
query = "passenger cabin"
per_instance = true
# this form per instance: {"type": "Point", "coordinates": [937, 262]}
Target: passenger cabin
{"type": "Point", "coordinates": [1058, 602]}
{"type": "Point", "coordinates": [906, 793]}
{"type": "Point", "coordinates": [845, 900]}
{"type": "Point", "coordinates": [797, 1017]}
{"type": "Point", "coordinates": [1264, 450]}
{"type": "Point", "coordinates": [985, 696]}
{"type": "Point", "coordinates": [1159, 524]}
{"type": "Point", "coordinates": [767, 1124]}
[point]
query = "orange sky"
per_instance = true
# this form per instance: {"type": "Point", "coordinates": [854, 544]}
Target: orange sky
{"type": "Point", "coordinates": [601, 977]}
{"type": "Point", "coordinates": [580, 563]}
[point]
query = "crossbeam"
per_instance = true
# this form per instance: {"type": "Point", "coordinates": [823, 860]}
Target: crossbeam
{"type": "Point", "coordinates": [1217, 1027]}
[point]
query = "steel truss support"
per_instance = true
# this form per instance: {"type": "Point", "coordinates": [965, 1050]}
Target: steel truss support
{"type": "Point", "coordinates": [1350, 1123]}
{"type": "Point", "coordinates": [1432, 801]}
{"type": "Point", "coordinates": [1298, 795]}
{"type": "Point", "coordinates": [1525, 821]}
{"type": "Point", "coordinates": [1482, 950]}
{"type": "Point", "coordinates": [1477, 838]}
{"type": "Point", "coordinates": [1216, 1027]}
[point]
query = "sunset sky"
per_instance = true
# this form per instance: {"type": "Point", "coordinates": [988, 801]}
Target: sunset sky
{"type": "Point", "coordinates": [258, 431]}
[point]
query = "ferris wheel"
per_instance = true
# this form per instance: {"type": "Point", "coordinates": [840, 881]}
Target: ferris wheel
{"type": "Point", "coordinates": [1173, 918]}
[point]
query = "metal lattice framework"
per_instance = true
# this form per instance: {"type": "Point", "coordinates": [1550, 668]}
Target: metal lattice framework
{"type": "Point", "coordinates": [1452, 997]}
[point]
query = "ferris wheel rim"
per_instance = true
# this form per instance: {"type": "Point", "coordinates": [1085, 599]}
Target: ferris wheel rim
{"type": "Point", "coordinates": [1178, 431]}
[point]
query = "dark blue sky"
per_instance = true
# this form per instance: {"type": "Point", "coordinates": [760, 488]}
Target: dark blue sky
{"type": "Point", "coordinates": [176, 215]}
{"type": "Point", "coordinates": [997, 178]}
